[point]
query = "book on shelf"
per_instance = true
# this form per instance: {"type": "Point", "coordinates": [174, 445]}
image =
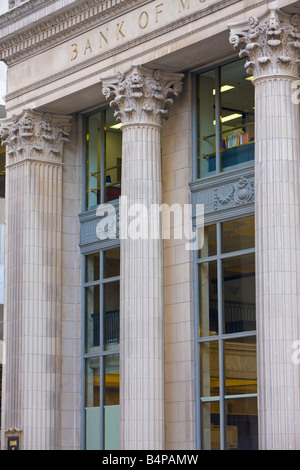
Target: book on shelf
{"type": "Point", "coordinates": [247, 137]}
{"type": "Point", "coordinates": [236, 139]}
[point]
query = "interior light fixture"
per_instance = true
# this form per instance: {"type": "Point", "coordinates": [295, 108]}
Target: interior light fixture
{"type": "Point", "coordinates": [224, 88]}
{"type": "Point", "coordinates": [249, 78]}
{"type": "Point", "coordinates": [116, 126]}
{"type": "Point", "coordinates": [229, 118]}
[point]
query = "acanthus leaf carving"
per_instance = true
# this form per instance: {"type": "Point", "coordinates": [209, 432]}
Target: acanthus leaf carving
{"type": "Point", "coordinates": [269, 43]}
{"type": "Point", "coordinates": [34, 135]}
{"type": "Point", "coordinates": [142, 95]}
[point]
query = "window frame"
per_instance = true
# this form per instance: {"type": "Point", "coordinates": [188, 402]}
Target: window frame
{"type": "Point", "coordinates": [220, 338]}
{"type": "Point", "coordinates": [101, 353]}
{"type": "Point", "coordinates": [85, 117]}
{"type": "Point", "coordinates": [216, 67]}
{"type": "Point", "coordinates": [90, 247]}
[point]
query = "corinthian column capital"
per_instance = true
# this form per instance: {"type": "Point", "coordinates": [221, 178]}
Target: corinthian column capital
{"type": "Point", "coordinates": [35, 136]}
{"type": "Point", "coordinates": [271, 43]}
{"type": "Point", "coordinates": [142, 95]}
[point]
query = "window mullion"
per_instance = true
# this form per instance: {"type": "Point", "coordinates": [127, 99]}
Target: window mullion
{"type": "Point", "coordinates": [101, 411]}
{"type": "Point", "coordinates": [102, 157]}
{"type": "Point", "coordinates": [84, 163]}
{"type": "Point", "coordinates": [221, 351]}
{"type": "Point", "coordinates": [101, 307]}
{"type": "Point", "coordinates": [101, 336]}
{"type": "Point", "coordinates": [218, 120]}
{"type": "Point", "coordinates": [220, 279]}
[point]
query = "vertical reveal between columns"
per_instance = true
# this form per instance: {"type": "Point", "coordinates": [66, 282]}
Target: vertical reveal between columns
{"type": "Point", "coordinates": [33, 277]}
{"type": "Point", "coordinates": [271, 46]}
{"type": "Point", "coordinates": [143, 97]}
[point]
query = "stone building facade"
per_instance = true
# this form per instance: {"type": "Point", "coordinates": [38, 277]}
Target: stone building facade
{"type": "Point", "coordinates": [151, 217]}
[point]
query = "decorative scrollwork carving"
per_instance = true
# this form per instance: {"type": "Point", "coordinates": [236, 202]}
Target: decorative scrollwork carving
{"type": "Point", "coordinates": [32, 135]}
{"type": "Point", "coordinates": [270, 44]}
{"type": "Point", "coordinates": [142, 95]}
{"type": "Point", "coordinates": [242, 192]}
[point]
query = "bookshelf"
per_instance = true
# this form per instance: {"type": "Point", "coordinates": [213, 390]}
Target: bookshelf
{"type": "Point", "coordinates": [236, 146]}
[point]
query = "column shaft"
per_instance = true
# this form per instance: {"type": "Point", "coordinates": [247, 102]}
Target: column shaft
{"type": "Point", "coordinates": [143, 97]}
{"type": "Point", "coordinates": [271, 45]}
{"type": "Point", "coordinates": [31, 385]}
{"type": "Point", "coordinates": [142, 333]}
{"type": "Point", "coordinates": [33, 274]}
{"type": "Point", "coordinates": [277, 183]}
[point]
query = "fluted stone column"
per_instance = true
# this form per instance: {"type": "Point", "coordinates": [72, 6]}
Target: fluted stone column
{"type": "Point", "coordinates": [143, 97]}
{"type": "Point", "coordinates": [31, 378]}
{"type": "Point", "coordinates": [271, 45]}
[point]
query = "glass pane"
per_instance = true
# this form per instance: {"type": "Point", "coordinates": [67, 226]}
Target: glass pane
{"type": "Point", "coordinates": [209, 247]}
{"type": "Point", "coordinates": [93, 165]}
{"type": "Point", "coordinates": [111, 402]}
{"type": "Point", "coordinates": [242, 424]}
{"type": "Point", "coordinates": [237, 115]}
{"type": "Point", "coordinates": [92, 318]}
{"type": "Point", "coordinates": [111, 315]}
{"type": "Point", "coordinates": [112, 380]}
{"type": "Point", "coordinates": [92, 267]}
{"type": "Point", "coordinates": [209, 368]}
{"type": "Point", "coordinates": [92, 382]}
{"type": "Point", "coordinates": [92, 404]}
{"type": "Point", "coordinates": [210, 419]}
{"type": "Point", "coordinates": [112, 263]}
{"type": "Point", "coordinates": [208, 299]}
{"type": "Point", "coordinates": [239, 294]}
{"type": "Point", "coordinates": [238, 235]}
{"type": "Point", "coordinates": [206, 123]}
{"type": "Point", "coordinates": [112, 427]}
{"type": "Point", "coordinates": [113, 156]}
{"type": "Point", "coordinates": [240, 366]}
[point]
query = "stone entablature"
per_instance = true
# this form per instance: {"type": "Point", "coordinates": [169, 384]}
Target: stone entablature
{"type": "Point", "coordinates": [64, 24]}
{"type": "Point", "coordinates": [59, 27]}
{"type": "Point", "coordinates": [77, 41]}
{"type": "Point", "coordinates": [14, 3]}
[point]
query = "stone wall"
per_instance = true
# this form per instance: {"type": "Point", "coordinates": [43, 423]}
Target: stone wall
{"type": "Point", "coordinates": [178, 275]}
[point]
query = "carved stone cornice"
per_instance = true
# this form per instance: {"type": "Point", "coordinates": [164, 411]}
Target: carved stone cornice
{"type": "Point", "coordinates": [35, 136]}
{"type": "Point", "coordinates": [52, 29]}
{"type": "Point", "coordinates": [14, 3]}
{"type": "Point", "coordinates": [142, 95]}
{"type": "Point", "coordinates": [271, 43]}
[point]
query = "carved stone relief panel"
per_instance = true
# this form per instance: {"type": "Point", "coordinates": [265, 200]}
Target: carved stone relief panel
{"type": "Point", "coordinates": [226, 194]}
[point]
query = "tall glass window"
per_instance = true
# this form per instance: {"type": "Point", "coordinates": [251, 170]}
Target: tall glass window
{"type": "Point", "coordinates": [103, 158]}
{"type": "Point", "coordinates": [227, 337]}
{"type": "Point", "coordinates": [101, 349]}
{"type": "Point", "coordinates": [225, 119]}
